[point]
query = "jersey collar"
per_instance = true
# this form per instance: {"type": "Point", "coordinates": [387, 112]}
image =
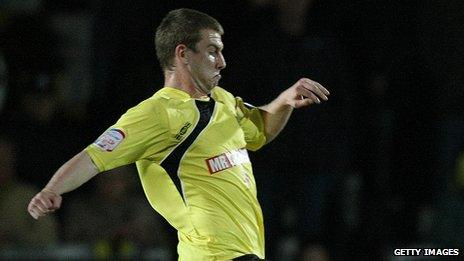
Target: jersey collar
{"type": "Point", "coordinates": [174, 93]}
{"type": "Point", "coordinates": [171, 92]}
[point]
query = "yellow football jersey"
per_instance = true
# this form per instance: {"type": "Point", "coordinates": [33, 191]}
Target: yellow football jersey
{"type": "Point", "coordinates": [193, 164]}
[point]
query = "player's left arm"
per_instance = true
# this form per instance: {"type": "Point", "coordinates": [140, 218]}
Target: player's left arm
{"type": "Point", "coordinates": [303, 93]}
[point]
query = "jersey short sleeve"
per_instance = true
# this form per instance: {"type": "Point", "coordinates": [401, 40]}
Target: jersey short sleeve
{"type": "Point", "coordinates": [249, 118]}
{"type": "Point", "coordinates": [140, 133]}
{"type": "Point", "coordinates": [252, 123]}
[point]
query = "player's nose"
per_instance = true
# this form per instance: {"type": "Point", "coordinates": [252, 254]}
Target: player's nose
{"type": "Point", "coordinates": [221, 62]}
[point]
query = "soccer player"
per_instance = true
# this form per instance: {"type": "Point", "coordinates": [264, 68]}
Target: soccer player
{"type": "Point", "coordinates": [189, 142]}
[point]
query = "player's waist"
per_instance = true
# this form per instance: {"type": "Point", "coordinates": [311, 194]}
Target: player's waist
{"type": "Point", "coordinates": [220, 246]}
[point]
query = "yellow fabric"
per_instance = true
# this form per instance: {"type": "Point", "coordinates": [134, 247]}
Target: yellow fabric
{"type": "Point", "coordinates": [217, 215]}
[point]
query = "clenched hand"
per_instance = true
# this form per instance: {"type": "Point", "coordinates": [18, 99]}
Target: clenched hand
{"type": "Point", "coordinates": [43, 203]}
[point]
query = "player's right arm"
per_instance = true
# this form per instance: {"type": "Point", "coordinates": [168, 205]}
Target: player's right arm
{"type": "Point", "coordinates": [68, 177]}
{"type": "Point", "coordinates": [139, 134]}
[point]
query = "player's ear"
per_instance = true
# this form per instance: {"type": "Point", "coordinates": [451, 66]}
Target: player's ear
{"type": "Point", "coordinates": [182, 54]}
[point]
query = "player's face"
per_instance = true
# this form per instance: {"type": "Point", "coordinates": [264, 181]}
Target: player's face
{"type": "Point", "coordinates": [207, 62]}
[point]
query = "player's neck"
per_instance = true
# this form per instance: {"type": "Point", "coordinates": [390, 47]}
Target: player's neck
{"type": "Point", "coordinates": [182, 81]}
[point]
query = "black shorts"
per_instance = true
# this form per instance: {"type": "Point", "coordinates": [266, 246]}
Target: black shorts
{"type": "Point", "coordinates": [248, 258]}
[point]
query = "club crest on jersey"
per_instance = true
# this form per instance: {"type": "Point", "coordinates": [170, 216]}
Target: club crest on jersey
{"type": "Point", "coordinates": [109, 140]}
{"type": "Point", "coordinates": [227, 160]}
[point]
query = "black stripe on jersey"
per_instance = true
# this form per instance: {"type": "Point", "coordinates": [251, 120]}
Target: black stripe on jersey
{"type": "Point", "coordinates": [172, 162]}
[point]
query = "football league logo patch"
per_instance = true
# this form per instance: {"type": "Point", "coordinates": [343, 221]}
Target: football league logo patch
{"type": "Point", "coordinates": [109, 140]}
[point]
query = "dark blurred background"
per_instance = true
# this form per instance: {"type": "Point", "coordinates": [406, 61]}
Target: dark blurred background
{"type": "Point", "coordinates": [379, 166]}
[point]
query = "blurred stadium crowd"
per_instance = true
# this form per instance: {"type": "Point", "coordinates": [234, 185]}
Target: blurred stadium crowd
{"type": "Point", "coordinates": [380, 166]}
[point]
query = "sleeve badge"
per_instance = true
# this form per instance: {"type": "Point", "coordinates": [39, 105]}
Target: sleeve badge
{"type": "Point", "coordinates": [110, 139]}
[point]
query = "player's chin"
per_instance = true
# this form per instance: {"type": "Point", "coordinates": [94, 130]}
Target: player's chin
{"type": "Point", "coordinates": [207, 89]}
{"type": "Point", "coordinates": [212, 85]}
{"type": "Point", "coordinates": [216, 79]}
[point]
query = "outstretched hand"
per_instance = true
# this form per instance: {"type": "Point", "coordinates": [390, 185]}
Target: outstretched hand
{"type": "Point", "coordinates": [43, 203]}
{"type": "Point", "coordinates": [304, 93]}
